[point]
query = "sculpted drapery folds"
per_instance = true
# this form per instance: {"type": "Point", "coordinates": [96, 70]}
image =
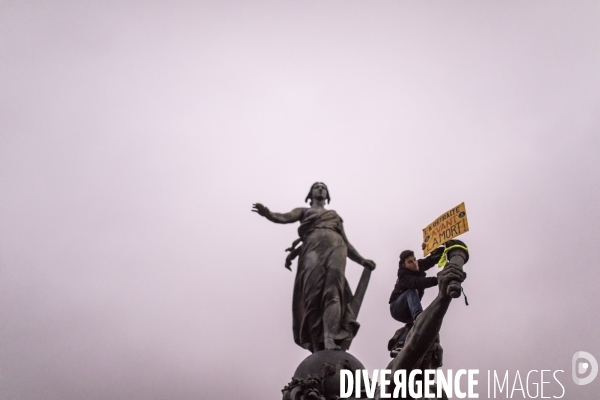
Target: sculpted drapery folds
{"type": "Point", "coordinates": [322, 314]}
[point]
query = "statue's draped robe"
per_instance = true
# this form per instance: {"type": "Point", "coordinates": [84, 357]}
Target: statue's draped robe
{"type": "Point", "coordinates": [320, 282]}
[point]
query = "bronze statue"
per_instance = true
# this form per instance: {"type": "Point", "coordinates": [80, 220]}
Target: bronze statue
{"type": "Point", "coordinates": [318, 376]}
{"type": "Point", "coordinates": [422, 337]}
{"type": "Point", "coordinates": [324, 309]}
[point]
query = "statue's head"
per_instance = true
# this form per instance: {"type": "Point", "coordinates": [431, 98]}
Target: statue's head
{"type": "Point", "coordinates": [318, 191]}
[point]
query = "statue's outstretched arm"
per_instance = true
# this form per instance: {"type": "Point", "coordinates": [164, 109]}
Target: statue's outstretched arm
{"type": "Point", "coordinates": [285, 218]}
{"type": "Point", "coordinates": [355, 256]}
{"type": "Point", "coordinates": [429, 322]}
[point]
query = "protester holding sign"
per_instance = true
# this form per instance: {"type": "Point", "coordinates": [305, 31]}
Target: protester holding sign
{"type": "Point", "coordinates": [405, 301]}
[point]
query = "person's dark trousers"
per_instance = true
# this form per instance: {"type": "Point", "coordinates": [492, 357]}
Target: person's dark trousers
{"type": "Point", "coordinates": [406, 307]}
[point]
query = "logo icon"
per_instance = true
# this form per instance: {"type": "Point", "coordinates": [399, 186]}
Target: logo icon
{"type": "Point", "coordinates": [580, 367]}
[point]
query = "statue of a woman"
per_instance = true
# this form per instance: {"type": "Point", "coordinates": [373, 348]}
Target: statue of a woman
{"type": "Point", "coordinates": [322, 316]}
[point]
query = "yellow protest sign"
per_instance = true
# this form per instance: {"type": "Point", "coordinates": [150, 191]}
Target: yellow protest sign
{"type": "Point", "coordinates": [447, 226]}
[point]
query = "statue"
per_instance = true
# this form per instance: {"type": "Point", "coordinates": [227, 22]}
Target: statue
{"type": "Point", "coordinates": [423, 338]}
{"type": "Point", "coordinates": [318, 376]}
{"type": "Point", "coordinates": [324, 309]}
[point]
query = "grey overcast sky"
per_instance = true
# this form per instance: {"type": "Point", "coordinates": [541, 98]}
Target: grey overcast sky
{"type": "Point", "coordinates": [135, 136]}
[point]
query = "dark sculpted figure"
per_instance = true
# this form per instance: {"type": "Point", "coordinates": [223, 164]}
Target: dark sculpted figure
{"type": "Point", "coordinates": [427, 326]}
{"type": "Point", "coordinates": [323, 312]}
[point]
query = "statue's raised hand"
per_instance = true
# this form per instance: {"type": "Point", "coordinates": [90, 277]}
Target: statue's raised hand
{"type": "Point", "coordinates": [449, 274]}
{"type": "Point", "coordinates": [260, 209]}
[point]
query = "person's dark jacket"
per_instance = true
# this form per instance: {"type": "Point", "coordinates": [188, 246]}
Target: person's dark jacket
{"type": "Point", "coordinates": [408, 279]}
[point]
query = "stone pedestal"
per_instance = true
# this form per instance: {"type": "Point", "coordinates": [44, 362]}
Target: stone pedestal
{"type": "Point", "coordinates": [318, 376]}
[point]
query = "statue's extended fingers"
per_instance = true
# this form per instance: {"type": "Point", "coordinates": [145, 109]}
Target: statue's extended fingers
{"type": "Point", "coordinates": [447, 270]}
{"type": "Point", "coordinates": [452, 268]}
{"type": "Point", "coordinates": [453, 276]}
{"type": "Point", "coordinates": [454, 272]}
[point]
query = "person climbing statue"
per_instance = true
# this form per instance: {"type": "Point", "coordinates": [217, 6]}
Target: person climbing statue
{"type": "Point", "coordinates": [405, 300]}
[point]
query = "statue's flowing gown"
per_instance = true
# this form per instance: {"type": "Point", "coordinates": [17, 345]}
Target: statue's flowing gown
{"type": "Point", "coordinates": [320, 282]}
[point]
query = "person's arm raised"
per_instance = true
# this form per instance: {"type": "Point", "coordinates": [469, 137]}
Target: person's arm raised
{"type": "Point", "coordinates": [285, 218]}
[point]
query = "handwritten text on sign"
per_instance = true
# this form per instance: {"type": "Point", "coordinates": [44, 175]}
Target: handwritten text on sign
{"type": "Point", "coordinates": [448, 226]}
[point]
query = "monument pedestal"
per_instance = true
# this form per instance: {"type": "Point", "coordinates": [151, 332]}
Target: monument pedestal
{"type": "Point", "coordinates": [318, 376]}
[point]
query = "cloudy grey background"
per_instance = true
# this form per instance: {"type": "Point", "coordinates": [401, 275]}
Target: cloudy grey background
{"type": "Point", "coordinates": [135, 136]}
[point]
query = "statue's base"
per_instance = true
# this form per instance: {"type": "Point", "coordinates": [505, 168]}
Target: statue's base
{"type": "Point", "coordinates": [318, 375]}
